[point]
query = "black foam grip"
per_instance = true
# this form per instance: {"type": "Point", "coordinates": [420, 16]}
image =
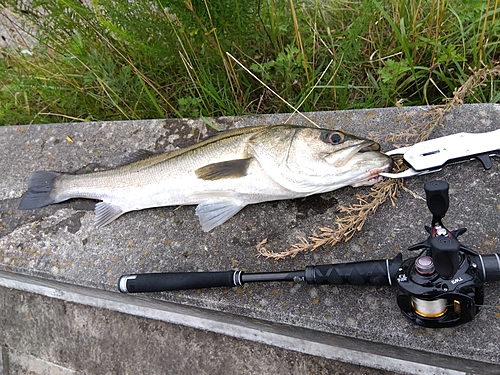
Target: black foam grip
{"type": "Point", "coordinates": [163, 282]}
{"type": "Point", "coordinates": [373, 272]}
{"type": "Point", "coordinates": [488, 267]}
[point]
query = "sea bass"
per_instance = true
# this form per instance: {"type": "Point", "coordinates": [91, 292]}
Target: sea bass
{"type": "Point", "coordinates": [221, 174]}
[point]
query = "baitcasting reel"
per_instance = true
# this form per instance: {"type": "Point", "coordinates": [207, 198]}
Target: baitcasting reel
{"type": "Point", "coordinates": [441, 287]}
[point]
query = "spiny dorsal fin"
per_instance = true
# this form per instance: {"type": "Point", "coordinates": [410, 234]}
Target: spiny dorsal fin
{"type": "Point", "coordinates": [140, 154]}
{"type": "Point", "coordinates": [224, 169]}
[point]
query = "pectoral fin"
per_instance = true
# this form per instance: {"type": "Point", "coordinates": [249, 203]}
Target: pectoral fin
{"type": "Point", "coordinates": [224, 169]}
{"type": "Point", "coordinates": [214, 212]}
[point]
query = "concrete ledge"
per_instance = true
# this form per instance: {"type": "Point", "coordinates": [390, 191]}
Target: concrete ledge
{"type": "Point", "coordinates": [323, 344]}
{"type": "Point", "coordinates": [61, 336]}
{"type": "Point", "coordinates": [22, 364]}
{"type": "Point", "coordinates": [75, 262]}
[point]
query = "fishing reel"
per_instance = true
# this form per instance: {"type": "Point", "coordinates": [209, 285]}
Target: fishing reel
{"type": "Point", "coordinates": [441, 287]}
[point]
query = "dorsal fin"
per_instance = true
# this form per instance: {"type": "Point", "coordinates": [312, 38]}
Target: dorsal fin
{"type": "Point", "coordinates": [140, 154]}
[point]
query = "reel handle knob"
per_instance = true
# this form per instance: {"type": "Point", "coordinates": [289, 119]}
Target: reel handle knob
{"type": "Point", "coordinates": [438, 201]}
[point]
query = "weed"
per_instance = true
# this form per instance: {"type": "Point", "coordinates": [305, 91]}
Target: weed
{"type": "Point", "coordinates": [117, 59]}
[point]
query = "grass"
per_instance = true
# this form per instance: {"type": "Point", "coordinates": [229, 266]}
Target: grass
{"type": "Point", "coordinates": [117, 59]}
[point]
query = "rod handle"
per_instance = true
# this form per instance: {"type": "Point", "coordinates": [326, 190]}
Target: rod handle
{"type": "Point", "coordinates": [371, 272]}
{"type": "Point", "coordinates": [170, 281]}
{"type": "Point", "coordinates": [488, 267]}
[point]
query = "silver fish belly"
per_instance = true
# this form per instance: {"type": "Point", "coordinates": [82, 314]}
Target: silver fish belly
{"type": "Point", "coordinates": [221, 175]}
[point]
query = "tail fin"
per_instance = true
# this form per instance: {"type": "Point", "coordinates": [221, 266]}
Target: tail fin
{"type": "Point", "coordinates": [40, 185]}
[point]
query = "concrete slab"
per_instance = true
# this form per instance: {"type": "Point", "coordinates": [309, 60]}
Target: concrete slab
{"type": "Point", "coordinates": [25, 364]}
{"type": "Point", "coordinates": [103, 341]}
{"type": "Point", "coordinates": [11, 35]}
{"type": "Point", "coordinates": [60, 244]}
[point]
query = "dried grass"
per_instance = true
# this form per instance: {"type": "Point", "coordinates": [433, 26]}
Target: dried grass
{"type": "Point", "coordinates": [354, 216]}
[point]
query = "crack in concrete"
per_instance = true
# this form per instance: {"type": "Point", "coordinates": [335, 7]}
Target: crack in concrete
{"type": "Point", "coordinates": [11, 218]}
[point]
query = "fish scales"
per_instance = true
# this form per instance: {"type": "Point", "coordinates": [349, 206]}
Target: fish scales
{"type": "Point", "coordinates": [221, 174]}
{"type": "Point", "coordinates": [151, 171]}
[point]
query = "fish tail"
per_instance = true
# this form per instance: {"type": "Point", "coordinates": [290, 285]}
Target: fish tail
{"type": "Point", "coordinates": [40, 187]}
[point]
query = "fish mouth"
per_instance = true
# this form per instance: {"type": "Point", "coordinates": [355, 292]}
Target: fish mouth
{"type": "Point", "coordinates": [373, 176]}
{"type": "Point", "coordinates": [371, 146]}
{"type": "Point", "coordinates": [364, 147]}
{"type": "Point", "coordinates": [384, 163]}
{"type": "Point", "coordinates": [345, 156]}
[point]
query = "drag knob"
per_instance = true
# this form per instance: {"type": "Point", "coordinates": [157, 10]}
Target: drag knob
{"type": "Point", "coordinates": [424, 265]}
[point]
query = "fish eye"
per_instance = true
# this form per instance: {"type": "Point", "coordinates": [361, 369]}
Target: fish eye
{"type": "Point", "coordinates": [333, 137]}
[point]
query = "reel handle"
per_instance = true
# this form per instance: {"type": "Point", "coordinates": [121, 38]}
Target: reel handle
{"type": "Point", "coordinates": [446, 254]}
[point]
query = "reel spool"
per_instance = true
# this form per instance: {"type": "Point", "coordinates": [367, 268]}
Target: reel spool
{"type": "Point", "coordinates": [429, 309]}
{"type": "Point", "coordinates": [424, 265]}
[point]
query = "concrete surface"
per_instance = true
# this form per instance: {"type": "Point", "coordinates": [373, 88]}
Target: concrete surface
{"type": "Point", "coordinates": [101, 341]}
{"type": "Point", "coordinates": [360, 325]}
{"type": "Point", "coordinates": [11, 35]}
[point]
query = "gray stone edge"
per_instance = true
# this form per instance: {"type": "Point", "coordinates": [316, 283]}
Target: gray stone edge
{"type": "Point", "coordinates": [26, 363]}
{"type": "Point", "coordinates": [330, 346]}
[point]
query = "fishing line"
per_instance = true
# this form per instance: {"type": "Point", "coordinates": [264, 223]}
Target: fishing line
{"type": "Point", "coordinates": [270, 89]}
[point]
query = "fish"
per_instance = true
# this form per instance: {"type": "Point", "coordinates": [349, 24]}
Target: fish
{"type": "Point", "coordinates": [221, 174]}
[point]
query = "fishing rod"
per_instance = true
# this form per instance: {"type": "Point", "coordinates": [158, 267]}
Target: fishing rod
{"type": "Point", "coordinates": [443, 286]}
